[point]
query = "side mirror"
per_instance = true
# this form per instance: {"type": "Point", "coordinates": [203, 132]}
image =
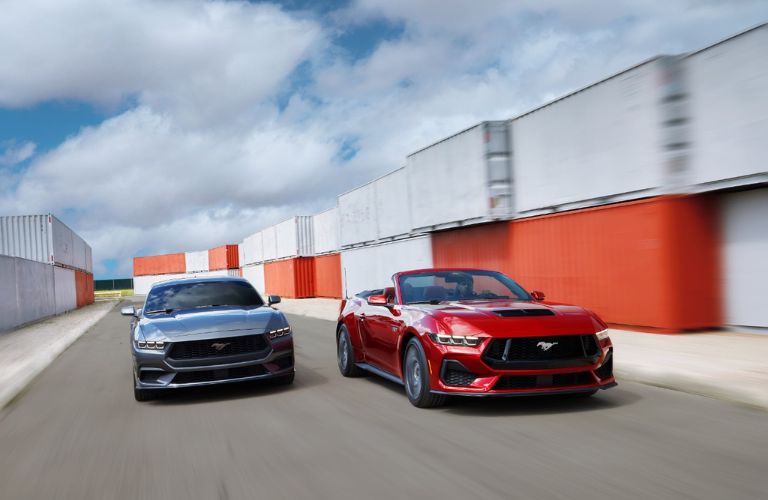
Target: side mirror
{"type": "Point", "coordinates": [128, 311]}
{"type": "Point", "coordinates": [377, 300]}
{"type": "Point", "coordinates": [273, 299]}
{"type": "Point", "coordinates": [537, 295]}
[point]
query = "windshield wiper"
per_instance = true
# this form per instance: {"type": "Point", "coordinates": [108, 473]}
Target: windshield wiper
{"type": "Point", "coordinates": [433, 302]}
{"type": "Point", "coordinates": [156, 311]}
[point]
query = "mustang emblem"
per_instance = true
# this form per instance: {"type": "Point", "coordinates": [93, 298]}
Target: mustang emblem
{"type": "Point", "coordinates": [545, 346]}
{"type": "Point", "coordinates": [220, 345]}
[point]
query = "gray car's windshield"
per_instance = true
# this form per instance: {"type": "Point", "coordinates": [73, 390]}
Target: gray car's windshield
{"type": "Point", "coordinates": [168, 298]}
{"type": "Point", "coordinates": [438, 286]}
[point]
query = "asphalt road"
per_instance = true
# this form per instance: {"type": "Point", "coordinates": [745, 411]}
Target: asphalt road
{"type": "Point", "coordinates": [77, 433]}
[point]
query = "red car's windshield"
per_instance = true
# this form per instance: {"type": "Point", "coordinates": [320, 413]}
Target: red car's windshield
{"type": "Point", "coordinates": [441, 286]}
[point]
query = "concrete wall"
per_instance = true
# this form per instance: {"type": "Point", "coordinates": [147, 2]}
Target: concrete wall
{"type": "Point", "coordinates": [31, 290]}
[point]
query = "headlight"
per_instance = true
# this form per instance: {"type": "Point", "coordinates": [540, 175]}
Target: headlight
{"type": "Point", "coordinates": [150, 344]}
{"type": "Point", "coordinates": [280, 332]}
{"type": "Point", "coordinates": [602, 335]}
{"type": "Point", "coordinates": [445, 339]}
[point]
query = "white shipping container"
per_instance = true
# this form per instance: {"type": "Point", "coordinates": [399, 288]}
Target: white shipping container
{"type": "Point", "coordinates": [393, 213]}
{"type": "Point", "coordinates": [465, 178]}
{"type": "Point", "coordinates": [357, 215]}
{"type": "Point", "coordinates": [745, 267]}
{"type": "Point", "coordinates": [294, 237]}
{"type": "Point", "coordinates": [599, 144]}
{"type": "Point", "coordinates": [252, 249]}
{"type": "Point", "coordinates": [196, 262]}
{"type": "Point", "coordinates": [269, 236]}
{"type": "Point", "coordinates": [43, 238]}
{"type": "Point", "coordinates": [729, 110]}
{"type": "Point", "coordinates": [371, 267]}
{"type": "Point", "coordinates": [65, 290]}
{"type": "Point", "coordinates": [255, 276]}
{"type": "Point", "coordinates": [325, 227]}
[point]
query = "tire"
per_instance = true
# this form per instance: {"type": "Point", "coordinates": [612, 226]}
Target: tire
{"type": "Point", "coordinates": [142, 394]}
{"type": "Point", "coordinates": [345, 356]}
{"type": "Point", "coordinates": [416, 377]}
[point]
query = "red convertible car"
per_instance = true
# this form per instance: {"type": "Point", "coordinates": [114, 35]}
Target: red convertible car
{"type": "Point", "coordinates": [471, 332]}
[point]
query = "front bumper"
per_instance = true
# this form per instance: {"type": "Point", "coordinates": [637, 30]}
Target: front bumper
{"type": "Point", "coordinates": [154, 370]}
{"type": "Point", "coordinates": [448, 364]}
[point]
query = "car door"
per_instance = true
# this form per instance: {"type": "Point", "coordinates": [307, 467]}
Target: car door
{"type": "Point", "coordinates": [383, 326]}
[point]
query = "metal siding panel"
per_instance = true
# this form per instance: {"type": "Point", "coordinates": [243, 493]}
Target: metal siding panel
{"type": "Point", "coordinates": [255, 276]}
{"type": "Point", "coordinates": [484, 246]}
{"type": "Point", "coordinates": [745, 238]}
{"type": "Point", "coordinates": [357, 215]}
{"type": "Point", "coordinates": [448, 180]}
{"type": "Point", "coordinates": [26, 236]}
{"type": "Point", "coordinates": [252, 249]}
{"type": "Point", "coordinates": [729, 108]}
{"type": "Point", "coordinates": [9, 303]}
{"type": "Point", "coordinates": [599, 142]}
{"type": "Point", "coordinates": [65, 292]}
{"type": "Point", "coordinates": [79, 252]}
{"type": "Point", "coordinates": [328, 276]}
{"type": "Point", "coordinates": [63, 243]}
{"type": "Point", "coordinates": [196, 262]}
{"type": "Point", "coordinates": [151, 265]}
{"type": "Point", "coordinates": [392, 205]}
{"type": "Point", "coordinates": [372, 267]}
{"type": "Point", "coordinates": [270, 243]}
{"type": "Point", "coordinates": [286, 235]}
{"type": "Point", "coordinates": [35, 290]}
{"type": "Point", "coordinates": [650, 263]}
{"type": "Point", "coordinates": [325, 228]}
{"type": "Point", "coordinates": [292, 278]}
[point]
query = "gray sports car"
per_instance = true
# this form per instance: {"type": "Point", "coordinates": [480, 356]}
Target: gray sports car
{"type": "Point", "coordinates": [203, 331]}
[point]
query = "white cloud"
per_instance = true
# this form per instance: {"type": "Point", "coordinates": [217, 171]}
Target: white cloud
{"type": "Point", "coordinates": [13, 153]}
{"type": "Point", "coordinates": [205, 157]}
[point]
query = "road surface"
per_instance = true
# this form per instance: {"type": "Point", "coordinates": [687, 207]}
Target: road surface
{"type": "Point", "coordinates": [77, 433]}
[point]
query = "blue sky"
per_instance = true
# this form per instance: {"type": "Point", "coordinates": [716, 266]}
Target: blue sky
{"type": "Point", "coordinates": [178, 126]}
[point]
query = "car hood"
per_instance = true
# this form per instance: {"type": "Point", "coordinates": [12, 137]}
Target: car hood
{"type": "Point", "coordinates": [203, 322]}
{"type": "Point", "coordinates": [512, 318]}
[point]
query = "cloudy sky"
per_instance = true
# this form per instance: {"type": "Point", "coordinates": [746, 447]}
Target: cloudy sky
{"type": "Point", "coordinates": [153, 126]}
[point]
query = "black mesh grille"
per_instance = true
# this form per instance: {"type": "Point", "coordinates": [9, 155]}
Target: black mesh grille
{"type": "Point", "coordinates": [457, 377]}
{"type": "Point", "coordinates": [213, 347]}
{"type": "Point", "coordinates": [543, 381]}
{"type": "Point", "coordinates": [214, 375]}
{"type": "Point", "coordinates": [551, 351]}
{"type": "Point", "coordinates": [522, 313]}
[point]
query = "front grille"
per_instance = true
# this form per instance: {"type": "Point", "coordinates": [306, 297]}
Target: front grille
{"type": "Point", "coordinates": [215, 375]}
{"type": "Point", "coordinates": [208, 348]}
{"type": "Point", "coordinates": [456, 377]}
{"type": "Point", "coordinates": [549, 352]}
{"type": "Point", "coordinates": [543, 381]}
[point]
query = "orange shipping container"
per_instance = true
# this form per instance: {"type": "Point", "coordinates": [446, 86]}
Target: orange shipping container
{"type": "Point", "coordinates": [292, 278]}
{"type": "Point", "coordinates": [652, 263]}
{"type": "Point", "coordinates": [223, 257]}
{"type": "Point", "coordinates": [485, 246]}
{"type": "Point", "coordinates": [83, 288]}
{"type": "Point", "coordinates": [328, 276]}
{"type": "Point", "coordinates": [173, 263]}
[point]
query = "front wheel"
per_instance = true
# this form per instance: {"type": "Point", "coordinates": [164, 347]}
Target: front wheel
{"type": "Point", "coordinates": [142, 394]}
{"type": "Point", "coordinates": [417, 377]}
{"type": "Point", "coordinates": [345, 356]}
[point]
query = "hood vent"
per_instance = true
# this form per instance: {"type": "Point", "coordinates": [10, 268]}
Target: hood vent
{"type": "Point", "coordinates": [523, 313]}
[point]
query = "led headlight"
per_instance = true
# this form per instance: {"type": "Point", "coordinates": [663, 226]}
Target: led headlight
{"type": "Point", "coordinates": [280, 332]}
{"type": "Point", "coordinates": [150, 344]}
{"type": "Point", "coordinates": [602, 335]}
{"type": "Point", "coordinates": [445, 339]}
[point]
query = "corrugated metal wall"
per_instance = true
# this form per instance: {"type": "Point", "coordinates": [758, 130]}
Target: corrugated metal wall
{"type": "Point", "coordinates": [174, 263]}
{"type": "Point", "coordinates": [223, 257]}
{"type": "Point", "coordinates": [652, 263]}
{"type": "Point", "coordinates": [372, 267]}
{"type": "Point", "coordinates": [745, 257]}
{"type": "Point", "coordinates": [292, 278]}
{"type": "Point", "coordinates": [325, 226]}
{"type": "Point", "coordinates": [485, 246]}
{"type": "Point", "coordinates": [65, 289]}
{"type": "Point", "coordinates": [328, 276]}
{"type": "Point", "coordinates": [84, 288]}
{"type": "Point", "coordinates": [196, 262]}
{"type": "Point", "coordinates": [255, 276]}
{"type": "Point", "coordinates": [44, 238]}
